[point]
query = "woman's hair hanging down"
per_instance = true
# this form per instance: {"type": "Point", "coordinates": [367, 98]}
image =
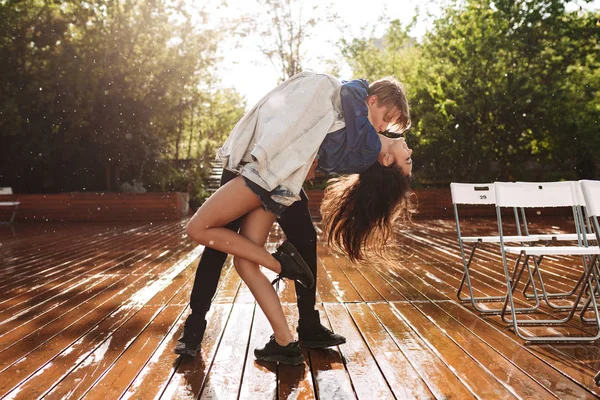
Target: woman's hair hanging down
{"type": "Point", "coordinates": [359, 210]}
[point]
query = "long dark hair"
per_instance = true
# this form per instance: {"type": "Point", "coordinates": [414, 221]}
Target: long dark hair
{"type": "Point", "coordinates": [359, 210]}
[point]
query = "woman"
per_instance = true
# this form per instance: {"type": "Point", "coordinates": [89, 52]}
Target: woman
{"type": "Point", "coordinates": [273, 148]}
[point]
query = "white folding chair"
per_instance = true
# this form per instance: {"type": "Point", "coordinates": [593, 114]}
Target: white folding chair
{"type": "Point", "coordinates": [590, 191]}
{"type": "Point", "coordinates": [542, 195]}
{"type": "Point", "coordinates": [583, 233]}
{"type": "Point", "coordinates": [13, 204]}
{"type": "Point", "coordinates": [479, 194]}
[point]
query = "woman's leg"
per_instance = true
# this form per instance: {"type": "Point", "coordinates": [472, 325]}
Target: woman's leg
{"type": "Point", "coordinates": [231, 201]}
{"type": "Point", "coordinates": [256, 226]}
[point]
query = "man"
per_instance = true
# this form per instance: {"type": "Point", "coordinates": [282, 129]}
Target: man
{"type": "Point", "coordinates": [351, 149]}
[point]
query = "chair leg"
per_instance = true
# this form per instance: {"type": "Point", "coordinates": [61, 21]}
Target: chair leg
{"type": "Point", "coordinates": [474, 300]}
{"type": "Point", "coordinates": [544, 293]}
{"type": "Point", "coordinates": [573, 308]}
{"type": "Point", "coordinates": [595, 262]}
{"type": "Point", "coordinates": [561, 339]}
{"type": "Point", "coordinates": [547, 295]}
{"type": "Point", "coordinates": [12, 218]}
{"type": "Point", "coordinates": [513, 285]}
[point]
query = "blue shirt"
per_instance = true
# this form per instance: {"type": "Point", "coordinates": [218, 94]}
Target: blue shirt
{"type": "Point", "coordinates": [354, 148]}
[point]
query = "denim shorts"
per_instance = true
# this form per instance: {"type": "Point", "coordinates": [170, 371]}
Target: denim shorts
{"type": "Point", "coordinates": [268, 204]}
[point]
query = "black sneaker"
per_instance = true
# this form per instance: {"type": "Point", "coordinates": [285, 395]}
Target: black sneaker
{"type": "Point", "coordinates": [293, 266]}
{"type": "Point", "coordinates": [193, 332]}
{"type": "Point", "coordinates": [273, 351]}
{"type": "Point", "coordinates": [317, 336]}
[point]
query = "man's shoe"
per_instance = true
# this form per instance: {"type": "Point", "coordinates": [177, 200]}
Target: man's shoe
{"type": "Point", "coordinates": [293, 266]}
{"type": "Point", "coordinates": [189, 342]}
{"type": "Point", "coordinates": [290, 354]}
{"type": "Point", "coordinates": [317, 336]}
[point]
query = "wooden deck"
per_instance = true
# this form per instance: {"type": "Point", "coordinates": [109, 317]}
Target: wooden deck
{"type": "Point", "coordinates": [94, 310]}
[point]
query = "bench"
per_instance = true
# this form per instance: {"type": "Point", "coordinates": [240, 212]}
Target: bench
{"type": "Point", "coordinates": [14, 204]}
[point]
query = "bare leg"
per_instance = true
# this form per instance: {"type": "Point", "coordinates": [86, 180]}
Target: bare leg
{"type": "Point", "coordinates": [231, 201]}
{"type": "Point", "coordinates": [255, 226]}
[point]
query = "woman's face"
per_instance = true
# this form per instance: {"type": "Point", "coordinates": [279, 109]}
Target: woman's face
{"type": "Point", "coordinates": [402, 155]}
{"type": "Point", "coordinates": [380, 116]}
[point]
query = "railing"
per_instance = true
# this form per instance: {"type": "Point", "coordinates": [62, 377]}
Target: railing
{"type": "Point", "coordinates": [97, 207]}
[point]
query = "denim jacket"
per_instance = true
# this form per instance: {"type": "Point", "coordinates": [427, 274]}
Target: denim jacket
{"type": "Point", "coordinates": [354, 148]}
{"type": "Point", "coordinates": [275, 143]}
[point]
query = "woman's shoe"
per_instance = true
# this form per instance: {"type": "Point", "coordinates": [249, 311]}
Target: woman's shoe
{"type": "Point", "coordinates": [290, 354]}
{"type": "Point", "coordinates": [293, 265]}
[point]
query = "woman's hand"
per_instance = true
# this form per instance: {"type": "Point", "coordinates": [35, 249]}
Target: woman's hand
{"type": "Point", "coordinates": [311, 172]}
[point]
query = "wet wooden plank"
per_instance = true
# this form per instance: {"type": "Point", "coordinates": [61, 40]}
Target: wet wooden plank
{"type": "Point", "coordinates": [328, 370]}
{"type": "Point", "coordinates": [326, 291]}
{"type": "Point", "coordinates": [133, 340]}
{"type": "Point", "coordinates": [341, 284]}
{"type": "Point", "coordinates": [67, 275]}
{"type": "Point", "coordinates": [573, 361]}
{"type": "Point", "coordinates": [92, 328]}
{"type": "Point", "coordinates": [294, 381]}
{"type": "Point", "coordinates": [260, 379]}
{"type": "Point", "coordinates": [385, 289]}
{"type": "Point", "coordinates": [366, 377]}
{"type": "Point", "coordinates": [438, 377]}
{"type": "Point", "coordinates": [513, 378]}
{"type": "Point", "coordinates": [506, 344]}
{"type": "Point", "coordinates": [402, 378]}
{"type": "Point", "coordinates": [30, 340]}
{"type": "Point", "coordinates": [362, 286]}
{"type": "Point", "coordinates": [476, 377]}
{"type": "Point", "coordinates": [225, 375]}
{"type": "Point", "coordinates": [24, 253]}
{"type": "Point", "coordinates": [58, 299]}
{"type": "Point", "coordinates": [190, 373]}
{"type": "Point", "coordinates": [53, 261]}
{"type": "Point", "coordinates": [21, 326]}
{"type": "Point", "coordinates": [119, 377]}
{"type": "Point", "coordinates": [51, 335]}
{"type": "Point", "coordinates": [410, 285]}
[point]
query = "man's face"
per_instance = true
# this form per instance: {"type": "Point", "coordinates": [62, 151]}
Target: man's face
{"type": "Point", "coordinates": [380, 116]}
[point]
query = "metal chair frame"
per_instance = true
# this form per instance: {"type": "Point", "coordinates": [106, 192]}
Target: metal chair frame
{"type": "Point", "coordinates": [481, 194]}
{"type": "Point", "coordinates": [541, 195]}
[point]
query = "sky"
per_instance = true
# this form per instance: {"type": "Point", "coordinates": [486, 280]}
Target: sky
{"type": "Point", "coordinates": [251, 74]}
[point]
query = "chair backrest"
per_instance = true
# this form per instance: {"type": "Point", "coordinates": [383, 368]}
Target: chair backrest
{"type": "Point", "coordinates": [535, 194]}
{"type": "Point", "coordinates": [5, 190]}
{"type": "Point", "coordinates": [578, 193]}
{"type": "Point", "coordinates": [591, 194]}
{"type": "Point", "coordinates": [473, 193]}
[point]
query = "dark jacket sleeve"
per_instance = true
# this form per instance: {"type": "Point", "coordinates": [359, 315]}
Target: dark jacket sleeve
{"type": "Point", "coordinates": [359, 130]}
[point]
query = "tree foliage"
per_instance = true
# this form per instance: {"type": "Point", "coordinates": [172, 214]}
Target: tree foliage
{"type": "Point", "coordinates": [96, 92]}
{"type": "Point", "coordinates": [498, 89]}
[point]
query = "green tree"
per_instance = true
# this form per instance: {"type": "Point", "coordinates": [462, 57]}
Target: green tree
{"type": "Point", "coordinates": [498, 89]}
{"type": "Point", "coordinates": [95, 92]}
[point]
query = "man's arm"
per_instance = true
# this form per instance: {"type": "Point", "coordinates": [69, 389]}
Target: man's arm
{"type": "Point", "coordinates": [356, 114]}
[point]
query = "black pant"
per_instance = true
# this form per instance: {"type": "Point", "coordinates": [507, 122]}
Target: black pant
{"type": "Point", "coordinates": [297, 225]}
